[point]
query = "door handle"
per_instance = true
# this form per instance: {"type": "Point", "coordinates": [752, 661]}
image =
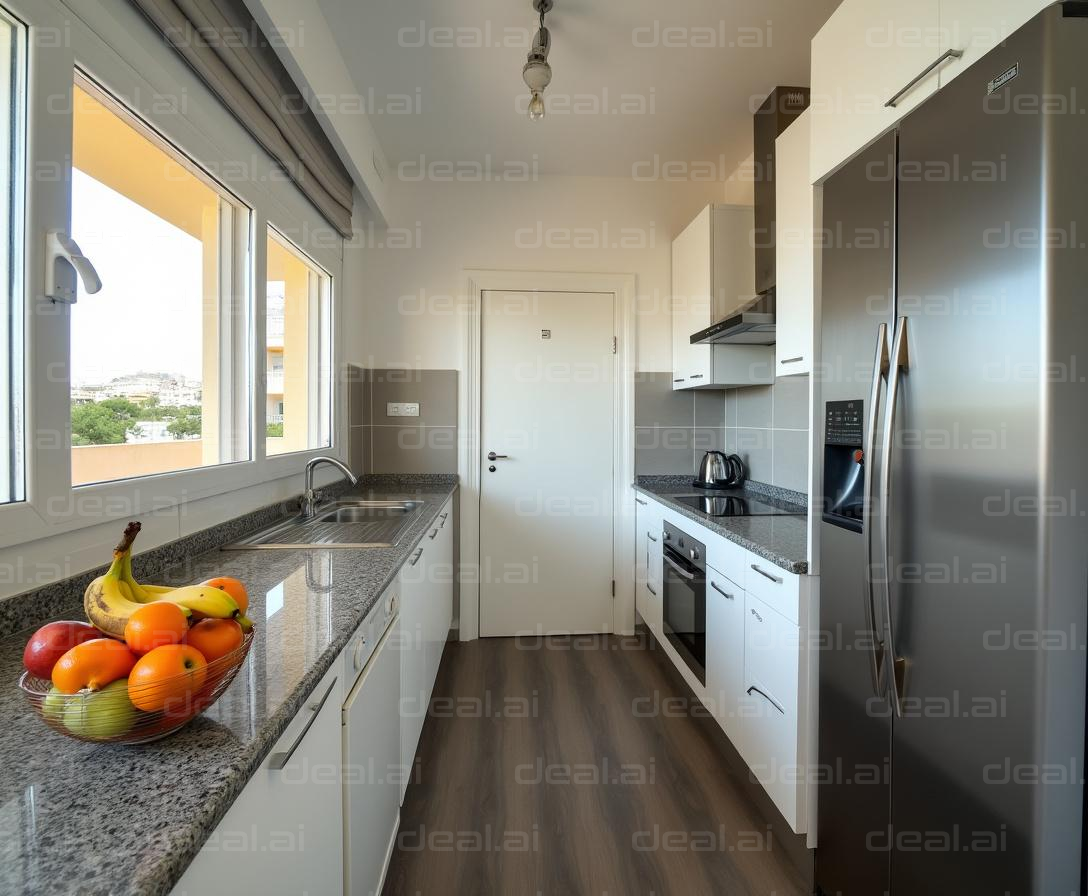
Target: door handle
{"type": "Point", "coordinates": [680, 571]}
{"type": "Point", "coordinates": [944, 57]}
{"type": "Point", "coordinates": [767, 575]}
{"type": "Point", "coordinates": [640, 501]}
{"type": "Point", "coordinates": [649, 536]}
{"type": "Point", "coordinates": [650, 588]}
{"type": "Point", "coordinates": [696, 376]}
{"type": "Point", "coordinates": [880, 372]}
{"type": "Point", "coordinates": [718, 588]}
{"type": "Point", "coordinates": [678, 381]}
{"type": "Point", "coordinates": [766, 697]}
{"type": "Point", "coordinates": [493, 456]}
{"type": "Point", "coordinates": [899, 363]}
{"type": "Point", "coordinates": [792, 360]}
{"type": "Point", "coordinates": [280, 760]}
{"type": "Point", "coordinates": [434, 534]}
{"type": "Point", "coordinates": [415, 557]}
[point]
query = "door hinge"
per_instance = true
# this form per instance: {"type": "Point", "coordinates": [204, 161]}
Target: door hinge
{"type": "Point", "coordinates": [615, 345]}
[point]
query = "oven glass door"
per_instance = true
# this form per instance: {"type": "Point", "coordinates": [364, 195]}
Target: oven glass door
{"type": "Point", "coordinates": [684, 616]}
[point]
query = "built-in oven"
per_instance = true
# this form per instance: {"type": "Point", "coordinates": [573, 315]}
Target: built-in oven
{"type": "Point", "coordinates": [684, 597]}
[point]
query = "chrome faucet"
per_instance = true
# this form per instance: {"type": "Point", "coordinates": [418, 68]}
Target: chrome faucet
{"type": "Point", "coordinates": [309, 498]}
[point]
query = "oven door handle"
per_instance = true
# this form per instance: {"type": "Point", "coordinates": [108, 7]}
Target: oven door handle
{"type": "Point", "coordinates": [680, 571]}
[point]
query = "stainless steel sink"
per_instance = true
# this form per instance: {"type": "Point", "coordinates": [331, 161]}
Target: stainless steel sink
{"type": "Point", "coordinates": [343, 524]}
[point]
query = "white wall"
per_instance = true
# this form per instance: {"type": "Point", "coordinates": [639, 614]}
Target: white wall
{"type": "Point", "coordinates": [404, 285]}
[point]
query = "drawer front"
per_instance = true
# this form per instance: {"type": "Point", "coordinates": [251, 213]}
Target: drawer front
{"type": "Point", "coordinates": [773, 585]}
{"type": "Point", "coordinates": [727, 558]}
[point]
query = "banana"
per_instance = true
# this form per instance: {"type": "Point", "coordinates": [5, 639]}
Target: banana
{"type": "Point", "coordinates": [141, 593]}
{"type": "Point", "coordinates": [105, 603]}
{"type": "Point", "coordinates": [204, 600]}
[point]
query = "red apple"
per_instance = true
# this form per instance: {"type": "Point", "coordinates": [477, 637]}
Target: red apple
{"type": "Point", "coordinates": [51, 642]}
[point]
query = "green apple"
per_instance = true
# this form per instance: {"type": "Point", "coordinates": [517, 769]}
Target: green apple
{"type": "Point", "coordinates": [101, 714]}
{"type": "Point", "coordinates": [54, 705]}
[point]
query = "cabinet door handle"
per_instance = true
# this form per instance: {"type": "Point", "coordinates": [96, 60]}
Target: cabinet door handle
{"type": "Point", "coordinates": [280, 760]}
{"type": "Point", "coordinates": [640, 501]}
{"type": "Point", "coordinates": [360, 645]}
{"type": "Point", "coordinates": [792, 360]}
{"type": "Point", "coordinates": [696, 376]}
{"type": "Point", "coordinates": [433, 535]}
{"type": "Point", "coordinates": [766, 697]}
{"type": "Point", "coordinates": [444, 517]}
{"type": "Point", "coordinates": [650, 588]}
{"type": "Point", "coordinates": [767, 575]}
{"type": "Point", "coordinates": [649, 536]}
{"type": "Point", "coordinates": [415, 557]}
{"type": "Point", "coordinates": [678, 381]}
{"type": "Point", "coordinates": [724, 594]}
{"type": "Point", "coordinates": [944, 57]}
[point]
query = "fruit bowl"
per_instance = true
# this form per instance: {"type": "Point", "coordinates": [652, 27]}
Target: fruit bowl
{"type": "Point", "coordinates": [109, 716]}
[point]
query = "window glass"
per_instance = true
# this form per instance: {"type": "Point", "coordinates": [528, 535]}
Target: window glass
{"type": "Point", "coordinates": [158, 372]}
{"type": "Point", "coordinates": [297, 351]}
{"type": "Point", "coordinates": [12, 481]}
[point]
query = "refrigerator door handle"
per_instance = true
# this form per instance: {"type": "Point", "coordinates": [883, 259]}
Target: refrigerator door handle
{"type": "Point", "coordinates": [880, 372]}
{"type": "Point", "coordinates": [899, 363]}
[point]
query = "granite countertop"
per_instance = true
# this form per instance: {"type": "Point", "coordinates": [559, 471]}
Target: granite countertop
{"type": "Point", "coordinates": [781, 540]}
{"type": "Point", "coordinates": [101, 819]}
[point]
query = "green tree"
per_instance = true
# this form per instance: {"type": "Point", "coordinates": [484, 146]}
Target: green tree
{"type": "Point", "coordinates": [103, 423]}
{"type": "Point", "coordinates": [274, 431]}
{"type": "Point", "coordinates": [186, 424]}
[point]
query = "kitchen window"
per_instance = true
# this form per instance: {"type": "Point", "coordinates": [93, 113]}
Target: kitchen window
{"type": "Point", "coordinates": [154, 383]}
{"type": "Point", "coordinates": [12, 132]}
{"type": "Point", "coordinates": [298, 348]}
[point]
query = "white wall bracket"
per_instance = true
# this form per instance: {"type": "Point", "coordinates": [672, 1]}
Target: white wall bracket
{"type": "Point", "coordinates": [64, 261]}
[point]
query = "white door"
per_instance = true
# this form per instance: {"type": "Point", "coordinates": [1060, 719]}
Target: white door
{"type": "Point", "coordinates": [546, 499]}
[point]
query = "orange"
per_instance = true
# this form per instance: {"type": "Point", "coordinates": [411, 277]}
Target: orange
{"type": "Point", "coordinates": [215, 638]}
{"type": "Point", "coordinates": [92, 665]}
{"type": "Point", "coordinates": [234, 588]}
{"type": "Point", "coordinates": [156, 625]}
{"type": "Point", "coordinates": [167, 678]}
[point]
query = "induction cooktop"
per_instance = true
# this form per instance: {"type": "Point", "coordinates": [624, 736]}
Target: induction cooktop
{"type": "Point", "coordinates": [733, 505]}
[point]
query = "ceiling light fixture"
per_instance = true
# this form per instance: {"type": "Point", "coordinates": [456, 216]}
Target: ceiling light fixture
{"type": "Point", "coordinates": [537, 73]}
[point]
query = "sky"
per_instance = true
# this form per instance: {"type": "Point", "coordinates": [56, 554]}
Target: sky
{"type": "Point", "coordinates": [147, 318]}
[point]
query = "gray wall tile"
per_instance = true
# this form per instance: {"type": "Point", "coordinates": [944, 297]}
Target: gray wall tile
{"type": "Point", "coordinates": [755, 447]}
{"type": "Point", "coordinates": [710, 409]}
{"type": "Point", "coordinates": [791, 459]}
{"type": "Point", "coordinates": [662, 450]}
{"type": "Point", "coordinates": [656, 404]}
{"type": "Point", "coordinates": [754, 407]}
{"type": "Point", "coordinates": [791, 403]}
{"type": "Point", "coordinates": [414, 449]}
{"type": "Point", "coordinates": [434, 390]}
{"type": "Point", "coordinates": [358, 449]}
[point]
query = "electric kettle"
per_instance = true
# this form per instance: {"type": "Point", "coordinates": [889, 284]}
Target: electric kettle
{"type": "Point", "coordinates": [718, 470]}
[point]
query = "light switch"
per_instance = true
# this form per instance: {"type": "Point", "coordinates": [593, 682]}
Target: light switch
{"type": "Point", "coordinates": [402, 409]}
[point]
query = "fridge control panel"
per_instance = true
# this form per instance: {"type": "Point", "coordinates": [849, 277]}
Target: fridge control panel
{"type": "Point", "coordinates": [842, 425]}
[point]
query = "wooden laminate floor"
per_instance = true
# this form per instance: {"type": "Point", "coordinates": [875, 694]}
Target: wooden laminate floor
{"type": "Point", "coordinates": [577, 765]}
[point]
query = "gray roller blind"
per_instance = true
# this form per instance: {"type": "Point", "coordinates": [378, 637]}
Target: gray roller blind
{"type": "Point", "coordinates": [223, 44]}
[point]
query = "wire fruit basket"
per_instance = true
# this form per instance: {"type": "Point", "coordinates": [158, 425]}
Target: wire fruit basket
{"type": "Point", "coordinates": [111, 715]}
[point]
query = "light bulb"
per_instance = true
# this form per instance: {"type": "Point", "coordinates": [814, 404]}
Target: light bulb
{"type": "Point", "coordinates": [536, 107]}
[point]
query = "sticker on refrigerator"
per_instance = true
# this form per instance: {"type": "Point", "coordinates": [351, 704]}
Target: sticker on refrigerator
{"type": "Point", "coordinates": [1002, 79]}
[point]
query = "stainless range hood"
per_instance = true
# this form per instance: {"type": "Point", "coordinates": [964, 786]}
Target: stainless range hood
{"type": "Point", "coordinates": [751, 327]}
{"type": "Point", "coordinates": [755, 325]}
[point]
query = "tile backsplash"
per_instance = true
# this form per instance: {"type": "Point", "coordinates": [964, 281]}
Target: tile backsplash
{"type": "Point", "coordinates": [768, 426]}
{"type": "Point", "coordinates": [380, 443]}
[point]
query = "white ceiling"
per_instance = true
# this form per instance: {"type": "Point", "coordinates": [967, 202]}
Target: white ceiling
{"type": "Point", "coordinates": [694, 103]}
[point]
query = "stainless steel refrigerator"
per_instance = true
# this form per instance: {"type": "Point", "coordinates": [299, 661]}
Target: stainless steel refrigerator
{"type": "Point", "coordinates": [954, 538]}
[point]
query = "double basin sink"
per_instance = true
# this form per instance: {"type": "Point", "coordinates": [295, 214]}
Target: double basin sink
{"type": "Point", "coordinates": [341, 524]}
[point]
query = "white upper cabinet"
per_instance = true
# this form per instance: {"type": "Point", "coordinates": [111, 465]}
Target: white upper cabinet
{"type": "Point", "coordinates": [866, 54]}
{"type": "Point", "coordinates": [794, 250]}
{"type": "Point", "coordinates": [977, 26]}
{"type": "Point", "coordinates": [870, 51]}
{"type": "Point", "coordinates": [713, 276]}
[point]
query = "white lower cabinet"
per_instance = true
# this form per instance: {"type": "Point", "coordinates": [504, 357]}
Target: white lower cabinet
{"type": "Point", "coordinates": [372, 770]}
{"type": "Point", "coordinates": [426, 598]}
{"type": "Point", "coordinates": [725, 654]}
{"type": "Point", "coordinates": [284, 832]}
{"type": "Point", "coordinates": [648, 562]}
{"type": "Point", "coordinates": [769, 707]}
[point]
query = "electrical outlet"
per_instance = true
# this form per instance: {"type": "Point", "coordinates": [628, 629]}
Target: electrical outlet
{"type": "Point", "coordinates": [402, 409]}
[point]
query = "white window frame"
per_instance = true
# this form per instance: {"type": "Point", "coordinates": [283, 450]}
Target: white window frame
{"type": "Point", "coordinates": [119, 49]}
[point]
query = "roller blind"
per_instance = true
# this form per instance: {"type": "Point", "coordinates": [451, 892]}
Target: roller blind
{"type": "Point", "coordinates": [223, 44]}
